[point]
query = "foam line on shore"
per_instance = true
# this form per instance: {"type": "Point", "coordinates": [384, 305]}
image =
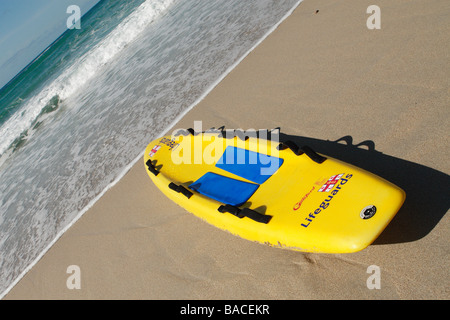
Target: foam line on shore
{"type": "Point", "coordinates": [234, 65]}
{"type": "Point", "coordinates": [132, 163]}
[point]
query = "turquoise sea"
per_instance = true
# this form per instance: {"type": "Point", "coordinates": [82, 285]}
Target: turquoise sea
{"type": "Point", "coordinates": [80, 115]}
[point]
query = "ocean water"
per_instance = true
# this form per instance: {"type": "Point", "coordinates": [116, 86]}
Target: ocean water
{"type": "Point", "coordinates": [74, 121]}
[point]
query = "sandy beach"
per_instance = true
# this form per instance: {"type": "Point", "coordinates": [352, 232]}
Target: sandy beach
{"type": "Point", "coordinates": [378, 99]}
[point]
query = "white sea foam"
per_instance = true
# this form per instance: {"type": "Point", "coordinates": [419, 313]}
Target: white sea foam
{"type": "Point", "coordinates": [152, 84]}
{"type": "Point", "coordinates": [82, 70]}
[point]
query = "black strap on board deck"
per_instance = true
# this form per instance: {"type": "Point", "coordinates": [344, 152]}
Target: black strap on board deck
{"type": "Point", "coordinates": [245, 212]}
{"type": "Point", "coordinates": [314, 156]}
{"type": "Point", "coordinates": [151, 167]}
{"type": "Point", "coordinates": [180, 189]}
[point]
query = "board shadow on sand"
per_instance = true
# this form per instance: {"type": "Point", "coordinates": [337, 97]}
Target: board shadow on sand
{"type": "Point", "coordinates": [427, 189]}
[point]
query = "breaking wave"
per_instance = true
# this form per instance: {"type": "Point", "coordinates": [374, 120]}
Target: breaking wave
{"type": "Point", "coordinates": [16, 130]}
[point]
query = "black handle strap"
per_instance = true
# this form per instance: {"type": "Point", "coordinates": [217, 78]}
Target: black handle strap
{"type": "Point", "coordinates": [303, 150]}
{"type": "Point", "coordinates": [186, 132]}
{"type": "Point", "coordinates": [222, 133]}
{"type": "Point", "coordinates": [313, 155]}
{"type": "Point", "coordinates": [151, 167]}
{"type": "Point", "coordinates": [291, 145]}
{"type": "Point", "coordinates": [245, 212]}
{"type": "Point", "coordinates": [235, 211]}
{"type": "Point", "coordinates": [180, 189]}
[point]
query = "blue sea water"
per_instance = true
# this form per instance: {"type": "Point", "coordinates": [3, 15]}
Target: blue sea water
{"type": "Point", "coordinates": [81, 113]}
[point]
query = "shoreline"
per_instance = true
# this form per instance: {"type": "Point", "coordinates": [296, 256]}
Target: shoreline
{"type": "Point", "coordinates": [131, 164]}
{"type": "Point", "coordinates": [306, 67]}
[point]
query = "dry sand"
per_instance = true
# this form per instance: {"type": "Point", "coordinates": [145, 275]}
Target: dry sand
{"type": "Point", "coordinates": [319, 77]}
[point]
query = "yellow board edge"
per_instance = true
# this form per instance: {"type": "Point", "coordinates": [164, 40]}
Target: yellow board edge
{"type": "Point", "coordinates": [303, 218]}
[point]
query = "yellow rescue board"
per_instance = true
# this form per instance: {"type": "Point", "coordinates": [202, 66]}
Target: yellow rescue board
{"type": "Point", "coordinates": [307, 202]}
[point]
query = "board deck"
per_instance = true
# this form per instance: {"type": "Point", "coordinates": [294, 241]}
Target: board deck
{"type": "Point", "coordinates": [275, 194]}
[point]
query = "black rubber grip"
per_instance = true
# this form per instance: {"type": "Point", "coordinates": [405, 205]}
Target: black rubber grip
{"type": "Point", "coordinates": [152, 168]}
{"type": "Point", "coordinates": [245, 212]}
{"type": "Point", "coordinates": [314, 156]}
{"type": "Point", "coordinates": [180, 189]}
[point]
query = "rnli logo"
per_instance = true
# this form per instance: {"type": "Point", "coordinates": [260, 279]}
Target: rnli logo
{"type": "Point", "coordinates": [329, 185]}
{"type": "Point", "coordinates": [334, 184]}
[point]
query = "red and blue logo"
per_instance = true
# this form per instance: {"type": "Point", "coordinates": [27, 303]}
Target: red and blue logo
{"type": "Point", "coordinates": [329, 185]}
